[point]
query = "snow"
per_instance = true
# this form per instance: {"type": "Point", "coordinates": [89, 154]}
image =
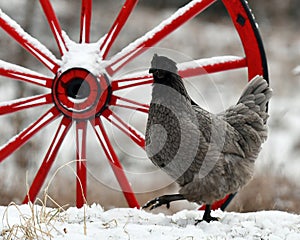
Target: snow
{"type": "Point", "coordinates": [84, 55]}
{"type": "Point", "coordinates": [124, 223]}
{"type": "Point", "coordinates": [135, 47]}
{"type": "Point", "coordinates": [207, 62]}
{"type": "Point", "coordinates": [296, 70]}
{"type": "Point", "coordinates": [27, 132]}
{"type": "Point", "coordinates": [13, 67]}
{"type": "Point", "coordinates": [204, 62]}
{"type": "Point", "coordinates": [28, 101]}
{"type": "Point", "coordinates": [29, 41]}
{"type": "Point", "coordinates": [134, 134]}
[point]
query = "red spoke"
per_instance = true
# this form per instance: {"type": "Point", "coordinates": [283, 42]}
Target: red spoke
{"type": "Point", "coordinates": [157, 34]}
{"type": "Point", "coordinates": [136, 136]}
{"type": "Point", "coordinates": [185, 70]}
{"type": "Point", "coordinates": [117, 26]}
{"type": "Point", "coordinates": [17, 141]}
{"type": "Point", "coordinates": [81, 182]}
{"type": "Point", "coordinates": [48, 160]}
{"type": "Point", "coordinates": [85, 21]}
{"type": "Point", "coordinates": [210, 65]}
{"type": "Point", "coordinates": [131, 82]}
{"type": "Point", "coordinates": [24, 103]}
{"type": "Point", "coordinates": [54, 25]}
{"type": "Point", "coordinates": [31, 44]}
{"type": "Point", "coordinates": [20, 73]}
{"type": "Point", "coordinates": [114, 162]}
{"type": "Point", "coordinates": [128, 103]}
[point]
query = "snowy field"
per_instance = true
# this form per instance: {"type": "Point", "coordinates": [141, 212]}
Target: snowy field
{"type": "Point", "coordinates": [123, 223]}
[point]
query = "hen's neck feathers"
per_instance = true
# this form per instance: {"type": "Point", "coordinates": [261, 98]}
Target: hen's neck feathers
{"type": "Point", "coordinates": [173, 81]}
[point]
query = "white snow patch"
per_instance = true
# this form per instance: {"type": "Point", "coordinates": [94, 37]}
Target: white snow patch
{"type": "Point", "coordinates": [204, 62]}
{"type": "Point", "coordinates": [126, 223]}
{"type": "Point", "coordinates": [83, 55]}
{"type": "Point", "coordinates": [28, 38]}
{"type": "Point", "coordinates": [16, 68]}
{"type": "Point", "coordinates": [207, 62]}
{"type": "Point", "coordinates": [296, 70]}
{"type": "Point", "coordinates": [137, 45]}
{"type": "Point", "coordinates": [26, 100]}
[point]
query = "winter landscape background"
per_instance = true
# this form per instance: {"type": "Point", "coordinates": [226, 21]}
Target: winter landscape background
{"type": "Point", "coordinates": [275, 185]}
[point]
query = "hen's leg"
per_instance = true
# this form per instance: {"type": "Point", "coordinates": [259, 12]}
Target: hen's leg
{"type": "Point", "coordinates": [165, 199]}
{"type": "Point", "coordinates": [207, 217]}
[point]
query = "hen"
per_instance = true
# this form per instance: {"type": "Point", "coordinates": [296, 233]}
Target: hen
{"type": "Point", "coordinates": [208, 155]}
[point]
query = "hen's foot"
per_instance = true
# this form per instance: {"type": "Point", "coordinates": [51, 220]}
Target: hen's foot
{"type": "Point", "coordinates": [207, 217]}
{"type": "Point", "coordinates": [163, 200]}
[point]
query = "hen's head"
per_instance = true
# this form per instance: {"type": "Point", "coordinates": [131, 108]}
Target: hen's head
{"type": "Point", "coordinates": [162, 66]}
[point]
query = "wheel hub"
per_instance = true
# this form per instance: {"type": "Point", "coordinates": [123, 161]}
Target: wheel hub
{"type": "Point", "coordinates": [79, 94]}
{"type": "Point", "coordinates": [78, 89]}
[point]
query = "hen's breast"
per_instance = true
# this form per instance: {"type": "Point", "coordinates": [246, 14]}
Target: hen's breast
{"type": "Point", "coordinates": [174, 142]}
{"type": "Point", "coordinates": [162, 135]}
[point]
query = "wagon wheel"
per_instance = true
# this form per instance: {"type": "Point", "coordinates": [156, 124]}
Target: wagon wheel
{"type": "Point", "coordinates": [83, 95]}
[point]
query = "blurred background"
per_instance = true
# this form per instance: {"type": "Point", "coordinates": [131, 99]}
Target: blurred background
{"type": "Point", "coordinates": [275, 185]}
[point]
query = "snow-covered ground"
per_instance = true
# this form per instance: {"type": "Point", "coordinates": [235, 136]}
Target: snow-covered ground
{"type": "Point", "coordinates": [124, 223]}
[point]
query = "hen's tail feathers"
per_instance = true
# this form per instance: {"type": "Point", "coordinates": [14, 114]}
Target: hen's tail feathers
{"type": "Point", "coordinates": [256, 96]}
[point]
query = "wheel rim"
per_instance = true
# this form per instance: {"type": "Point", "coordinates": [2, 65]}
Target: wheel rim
{"type": "Point", "coordinates": [81, 94]}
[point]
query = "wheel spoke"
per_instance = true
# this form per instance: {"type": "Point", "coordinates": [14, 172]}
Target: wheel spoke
{"type": "Point", "coordinates": [31, 44]}
{"type": "Point", "coordinates": [48, 160]}
{"type": "Point", "coordinates": [130, 131]}
{"type": "Point", "coordinates": [185, 70]}
{"type": "Point", "coordinates": [85, 21]}
{"type": "Point", "coordinates": [81, 182]}
{"type": "Point", "coordinates": [54, 25]}
{"type": "Point", "coordinates": [117, 26]}
{"type": "Point", "coordinates": [20, 73]}
{"type": "Point", "coordinates": [157, 34]}
{"type": "Point", "coordinates": [129, 82]}
{"type": "Point", "coordinates": [210, 65]}
{"type": "Point", "coordinates": [17, 141]}
{"type": "Point", "coordinates": [24, 103]}
{"type": "Point", "coordinates": [114, 162]}
{"type": "Point", "coordinates": [128, 103]}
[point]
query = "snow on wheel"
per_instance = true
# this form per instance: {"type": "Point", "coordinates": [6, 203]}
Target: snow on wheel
{"type": "Point", "coordinates": [83, 88]}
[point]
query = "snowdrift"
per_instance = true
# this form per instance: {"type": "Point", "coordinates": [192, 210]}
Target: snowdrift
{"type": "Point", "coordinates": [123, 223]}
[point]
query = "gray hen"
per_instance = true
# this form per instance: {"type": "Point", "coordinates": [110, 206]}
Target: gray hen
{"type": "Point", "coordinates": [208, 155]}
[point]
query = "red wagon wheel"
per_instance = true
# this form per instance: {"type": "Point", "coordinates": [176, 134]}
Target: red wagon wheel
{"type": "Point", "coordinates": [82, 94]}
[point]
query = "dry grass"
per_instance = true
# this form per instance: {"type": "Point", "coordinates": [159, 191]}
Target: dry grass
{"type": "Point", "coordinates": [268, 192]}
{"type": "Point", "coordinates": [40, 222]}
{"type": "Point", "coordinates": [264, 192]}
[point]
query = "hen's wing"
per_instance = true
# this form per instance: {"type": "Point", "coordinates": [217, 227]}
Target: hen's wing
{"type": "Point", "coordinates": [218, 132]}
